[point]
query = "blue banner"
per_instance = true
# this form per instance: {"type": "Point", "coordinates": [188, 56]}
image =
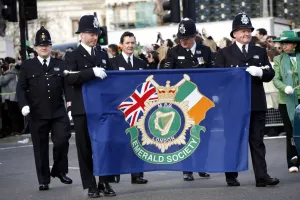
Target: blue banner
{"type": "Point", "coordinates": [171, 120]}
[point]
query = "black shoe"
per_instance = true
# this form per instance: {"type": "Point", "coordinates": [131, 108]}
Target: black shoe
{"type": "Point", "coordinates": [188, 177]}
{"type": "Point", "coordinates": [233, 182]}
{"type": "Point", "coordinates": [106, 189]}
{"type": "Point", "coordinates": [63, 178]}
{"type": "Point", "coordinates": [93, 193]}
{"type": "Point", "coordinates": [43, 187]}
{"type": "Point", "coordinates": [204, 174]}
{"type": "Point", "coordinates": [269, 181]}
{"type": "Point", "coordinates": [139, 180]}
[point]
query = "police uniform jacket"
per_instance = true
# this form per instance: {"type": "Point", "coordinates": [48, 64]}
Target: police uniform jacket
{"type": "Point", "coordinates": [232, 56]}
{"type": "Point", "coordinates": [178, 57]}
{"type": "Point", "coordinates": [119, 62]}
{"type": "Point", "coordinates": [82, 62]}
{"type": "Point", "coordinates": [42, 89]}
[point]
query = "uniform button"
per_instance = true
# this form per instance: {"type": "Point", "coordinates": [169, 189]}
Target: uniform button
{"type": "Point", "coordinates": [46, 73]}
{"type": "Point", "coordinates": [246, 63]}
{"type": "Point", "coordinates": [32, 75]}
{"type": "Point", "coordinates": [47, 78]}
{"type": "Point", "coordinates": [48, 90]}
{"type": "Point", "coordinates": [48, 84]}
{"type": "Point", "coordinates": [49, 97]}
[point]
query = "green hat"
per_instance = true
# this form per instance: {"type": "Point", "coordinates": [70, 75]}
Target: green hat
{"type": "Point", "coordinates": [288, 36]}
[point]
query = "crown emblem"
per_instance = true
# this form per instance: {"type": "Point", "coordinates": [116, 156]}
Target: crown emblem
{"type": "Point", "coordinates": [166, 93]}
{"type": "Point", "coordinates": [43, 36]}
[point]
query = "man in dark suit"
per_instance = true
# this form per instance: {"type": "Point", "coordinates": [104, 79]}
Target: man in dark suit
{"type": "Point", "coordinates": [242, 53]}
{"type": "Point", "coordinates": [188, 54]}
{"type": "Point", "coordinates": [84, 64]}
{"type": "Point", "coordinates": [127, 61]}
{"type": "Point", "coordinates": [40, 92]}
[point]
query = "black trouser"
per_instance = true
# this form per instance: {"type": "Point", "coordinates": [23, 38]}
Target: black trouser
{"type": "Point", "coordinates": [84, 152]}
{"type": "Point", "coordinates": [257, 146]}
{"type": "Point", "coordinates": [291, 150]}
{"type": "Point", "coordinates": [16, 116]}
{"type": "Point", "coordinates": [136, 175]}
{"type": "Point", "coordinates": [60, 134]}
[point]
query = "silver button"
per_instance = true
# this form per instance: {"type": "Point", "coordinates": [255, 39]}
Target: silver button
{"type": "Point", "coordinates": [32, 75]}
{"type": "Point", "coordinates": [49, 97]}
{"type": "Point", "coordinates": [47, 78]}
{"type": "Point", "coordinates": [246, 63]}
{"type": "Point", "coordinates": [48, 90]}
{"type": "Point", "coordinates": [48, 84]}
{"type": "Point", "coordinates": [46, 73]}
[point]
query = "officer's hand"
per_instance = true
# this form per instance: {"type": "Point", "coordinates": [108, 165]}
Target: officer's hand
{"type": "Point", "coordinates": [288, 90]}
{"type": "Point", "coordinates": [70, 115]}
{"type": "Point", "coordinates": [255, 71]}
{"type": "Point", "coordinates": [25, 111]}
{"type": "Point", "coordinates": [99, 72]}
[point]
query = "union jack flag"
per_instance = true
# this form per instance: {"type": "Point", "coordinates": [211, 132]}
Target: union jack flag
{"type": "Point", "coordinates": [133, 107]}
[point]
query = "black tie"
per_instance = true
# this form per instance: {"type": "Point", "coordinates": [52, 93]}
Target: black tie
{"type": "Point", "coordinates": [92, 52]}
{"type": "Point", "coordinates": [45, 63]}
{"type": "Point", "coordinates": [129, 62]}
{"type": "Point", "coordinates": [190, 52]}
{"type": "Point", "coordinates": [244, 50]}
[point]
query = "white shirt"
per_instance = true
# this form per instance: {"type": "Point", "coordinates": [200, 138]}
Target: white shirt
{"type": "Point", "coordinates": [87, 48]}
{"type": "Point", "coordinates": [241, 46]}
{"type": "Point", "coordinates": [125, 56]}
{"type": "Point", "coordinates": [193, 49]}
{"type": "Point", "coordinates": [42, 60]}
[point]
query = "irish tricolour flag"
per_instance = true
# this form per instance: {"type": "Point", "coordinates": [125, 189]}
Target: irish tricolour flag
{"type": "Point", "coordinates": [198, 103]}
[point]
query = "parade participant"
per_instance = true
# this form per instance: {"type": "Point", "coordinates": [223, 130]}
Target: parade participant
{"type": "Point", "coordinates": [86, 63]}
{"type": "Point", "coordinates": [127, 61]}
{"type": "Point", "coordinates": [40, 90]}
{"type": "Point", "coordinates": [287, 66]}
{"type": "Point", "coordinates": [188, 54]}
{"type": "Point", "coordinates": [242, 53]}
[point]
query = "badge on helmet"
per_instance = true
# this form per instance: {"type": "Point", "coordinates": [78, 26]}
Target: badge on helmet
{"type": "Point", "coordinates": [186, 29]}
{"type": "Point", "coordinates": [42, 37]}
{"type": "Point", "coordinates": [89, 24]}
{"type": "Point", "coordinates": [241, 21]}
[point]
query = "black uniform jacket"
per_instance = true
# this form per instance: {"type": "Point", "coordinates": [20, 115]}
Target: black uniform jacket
{"type": "Point", "coordinates": [232, 56]}
{"type": "Point", "coordinates": [42, 89]}
{"type": "Point", "coordinates": [178, 57]}
{"type": "Point", "coordinates": [82, 62]}
{"type": "Point", "coordinates": [119, 62]}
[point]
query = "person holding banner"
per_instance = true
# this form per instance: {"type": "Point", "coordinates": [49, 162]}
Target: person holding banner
{"type": "Point", "coordinates": [188, 54]}
{"type": "Point", "coordinates": [40, 90]}
{"type": "Point", "coordinates": [84, 64]}
{"type": "Point", "coordinates": [127, 61]}
{"type": "Point", "coordinates": [243, 54]}
{"type": "Point", "coordinates": [287, 66]}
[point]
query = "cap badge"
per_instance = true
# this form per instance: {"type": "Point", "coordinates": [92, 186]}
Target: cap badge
{"type": "Point", "coordinates": [43, 36]}
{"type": "Point", "coordinates": [96, 23]}
{"type": "Point", "coordinates": [182, 29]}
{"type": "Point", "coordinates": [245, 19]}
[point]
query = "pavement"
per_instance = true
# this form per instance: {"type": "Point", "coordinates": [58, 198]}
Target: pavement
{"type": "Point", "coordinates": [18, 180]}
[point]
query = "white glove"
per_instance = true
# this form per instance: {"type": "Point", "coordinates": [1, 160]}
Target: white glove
{"type": "Point", "coordinates": [99, 72]}
{"type": "Point", "coordinates": [70, 115]}
{"type": "Point", "coordinates": [255, 71]}
{"type": "Point", "coordinates": [288, 90]}
{"type": "Point", "coordinates": [25, 111]}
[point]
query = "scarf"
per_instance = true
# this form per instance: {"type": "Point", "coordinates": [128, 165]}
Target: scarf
{"type": "Point", "coordinates": [288, 79]}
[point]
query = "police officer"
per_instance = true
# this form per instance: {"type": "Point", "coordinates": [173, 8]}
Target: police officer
{"type": "Point", "coordinates": [242, 53]}
{"type": "Point", "coordinates": [87, 62]}
{"type": "Point", "coordinates": [188, 54]}
{"type": "Point", "coordinates": [40, 91]}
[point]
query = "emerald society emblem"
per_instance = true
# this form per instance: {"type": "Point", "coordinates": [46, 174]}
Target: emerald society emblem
{"type": "Point", "coordinates": [164, 120]}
